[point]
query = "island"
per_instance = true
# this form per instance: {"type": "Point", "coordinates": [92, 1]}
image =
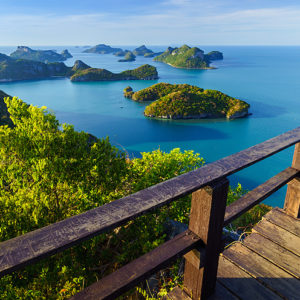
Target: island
{"type": "Point", "coordinates": [184, 101]}
{"type": "Point", "coordinates": [144, 72]}
{"type": "Point", "coordinates": [129, 56]}
{"type": "Point", "coordinates": [102, 49]}
{"type": "Point", "coordinates": [23, 69]}
{"type": "Point", "coordinates": [24, 52]}
{"type": "Point", "coordinates": [188, 58]}
{"type": "Point", "coordinates": [143, 51]}
{"type": "Point", "coordinates": [4, 114]}
{"type": "Point", "coordinates": [121, 52]}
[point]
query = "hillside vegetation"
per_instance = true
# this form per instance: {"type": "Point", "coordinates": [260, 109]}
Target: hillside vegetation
{"type": "Point", "coordinates": [184, 101]}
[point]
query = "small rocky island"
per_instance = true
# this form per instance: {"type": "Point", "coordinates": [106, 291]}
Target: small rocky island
{"type": "Point", "coordinates": [143, 51]}
{"type": "Point", "coordinates": [23, 69]}
{"type": "Point", "coordinates": [188, 58]}
{"type": "Point", "coordinates": [129, 56]}
{"type": "Point", "coordinates": [102, 49]}
{"type": "Point", "coordinates": [144, 72]}
{"type": "Point", "coordinates": [184, 101]}
{"type": "Point", "coordinates": [24, 52]}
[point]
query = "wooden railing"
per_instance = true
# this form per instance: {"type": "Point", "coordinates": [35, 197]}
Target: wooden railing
{"type": "Point", "coordinates": [200, 244]}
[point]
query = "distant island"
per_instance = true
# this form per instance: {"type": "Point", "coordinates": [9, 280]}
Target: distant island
{"type": "Point", "coordinates": [4, 115]}
{"type": "Point", "coordinates": [145, 72]}
{"type": "Point", "coordinates": [129, 56]}
{"type": "Point", "coordinates": [22, 69]}
{"type": "Point", "coordinates": [184, 101]}
{"type": "Point", "coordinates": [188, 58]}
{"type": "Point", "coordinates": [102, 49]}
{"type": "Point", "coordinates": [24, 52]}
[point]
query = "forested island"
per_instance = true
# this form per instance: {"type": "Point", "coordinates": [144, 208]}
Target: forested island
{"type": "Point", "coordinates": [102, 49]}
{"type": "Point", "coordinates": [24, 52]}
{"type": "Point", "coordinates": [188, 58]}
{"type": "Point", "coordinates": [129, 56]}
{"type": "Point", "coordinates": [184, 101]}
{"type": "Point", "coordinates": [144, 72]}
{"type": "Point", "coordinates": [23, 69]}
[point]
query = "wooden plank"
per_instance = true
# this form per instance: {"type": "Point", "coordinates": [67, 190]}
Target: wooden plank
{"type": "Point", "coordinates": [30, 247]}
{"type": "Point", "coordinates": [279, 236]}
{"type": "Point", "coordinates": [280, 218]}
{"type": "Point", "coordinates": [292, 198]}
{"type": "Point", "coordinates": [221, 293]}
{"type": "Point", "coordinates": [264, 271]}
{"type": "Point", "coordinates": [257, 195]}
{"type": "Point", "coordinates": [138, 270]}
{"type": "Point", "coordinates": [177, 294]}
{"type": "Point", "coordinates": [274, 253]}
{"type": "Point", "coordinates": [241, 283]}
{"type": "Point", "coordinates": [206, 221]}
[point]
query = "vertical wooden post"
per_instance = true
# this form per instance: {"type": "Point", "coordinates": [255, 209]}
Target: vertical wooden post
{"type": "Point", "coordinates": [206, 221]}
{"type": "Point", "coordinates": [292, 198]}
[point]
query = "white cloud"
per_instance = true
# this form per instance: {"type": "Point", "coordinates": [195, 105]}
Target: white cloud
{"type": "Point", "coordinates": [193, 24]}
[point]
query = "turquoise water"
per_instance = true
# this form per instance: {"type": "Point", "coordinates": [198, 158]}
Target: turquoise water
{"type": "Point", "coordinates": [266, 77]}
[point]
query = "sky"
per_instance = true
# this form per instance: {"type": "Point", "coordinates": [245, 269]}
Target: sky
{"type": "Point", "coordinates": [135, 22]}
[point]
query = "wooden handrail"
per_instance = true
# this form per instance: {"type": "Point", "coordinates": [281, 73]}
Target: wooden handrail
{"type": "Point", "coordinates": [259, 194]}
{"type": "Point", "coordinates": [30, 247]}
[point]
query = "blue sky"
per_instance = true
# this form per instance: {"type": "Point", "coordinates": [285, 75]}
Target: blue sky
{"type": "Point", "coordinates": [134, 22]}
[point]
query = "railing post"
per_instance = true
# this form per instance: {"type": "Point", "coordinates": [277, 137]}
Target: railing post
{"type": "Point", "coordinates": [292, 198]}
{"type": "Point", "coordinates": [206, 221]}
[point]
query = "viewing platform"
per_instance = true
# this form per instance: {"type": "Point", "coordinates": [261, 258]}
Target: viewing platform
{"type": "Point", "coordinates": [265, 265]}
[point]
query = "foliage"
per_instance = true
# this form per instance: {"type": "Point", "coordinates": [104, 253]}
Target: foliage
{"type": "Point", "coordinates": [162, 89]}
{"type": "Point", "coordinates": [184, 57]}
{"type": "Point", "coordinates": [214, 55]}
{"type": "Point", "coordinates": [49, 172]}
{"type": "Point", "coordinates": [177, 101]}
{"type": "Point", "coordinates": [93, 74]}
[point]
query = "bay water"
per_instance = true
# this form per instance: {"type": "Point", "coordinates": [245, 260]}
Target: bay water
{"type": "Point", "coordinates": [267, 77]}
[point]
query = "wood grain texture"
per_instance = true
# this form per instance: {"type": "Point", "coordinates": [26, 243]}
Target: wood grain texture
{"type": "Point", "coordinates": [138, 270]}
{"type": "Point", "coordinates": [264, 271]}
{"type": "Point", "coordinates": [241, 283]}
{"type": "Point", "coordinates": [292, 199]}
{"type": "Point", "coordinates": [177, 294]}
{"type": "Point", "coordinates": [30, 247]}
{"type": "Point", "coordinates": [274, 253]}
{"type": "Point", "coordinates": [206, 221]}
{"type": "Point", "coordinates": [257, 195]}
{"type": "Point", "coordinates": [280, 218]}
{"type": "Point", "coordinates": [279, 236]}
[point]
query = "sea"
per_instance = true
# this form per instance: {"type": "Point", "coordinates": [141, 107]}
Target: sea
{"type": "Point", "coordinates": [267, 77]}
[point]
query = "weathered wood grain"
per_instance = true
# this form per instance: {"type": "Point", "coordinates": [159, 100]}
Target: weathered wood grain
{"type": "Point", "coordinates": [241, 283]}
{"type": "Point", "coordinates": [280, 218]}
{"type": "Point", "coordinates": [279, 256]}
{"type": "Point", "coordinates": [292, 199]}
{"type": "Point", "coordinates": [177, 294]}
{"type": "Point", "coordinates": [257, 195]}
{"type": "Point", "coordinates": [264, 271]}
{"type": "Point", "coordinates": [138, 270]}
{"type": "Point", "coordinates": [206, 221]}
{"type": "Point", "coordinates": [46, 241]}
{"type": "Point", "coordinates": [279, 236]}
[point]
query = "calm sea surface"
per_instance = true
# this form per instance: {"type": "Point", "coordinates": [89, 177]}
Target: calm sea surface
{"type": "Point", "coordinates": [266, 77]}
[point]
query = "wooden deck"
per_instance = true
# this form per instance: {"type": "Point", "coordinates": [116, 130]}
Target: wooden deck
{"type": "Point", "coordinates": [266, 265]}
